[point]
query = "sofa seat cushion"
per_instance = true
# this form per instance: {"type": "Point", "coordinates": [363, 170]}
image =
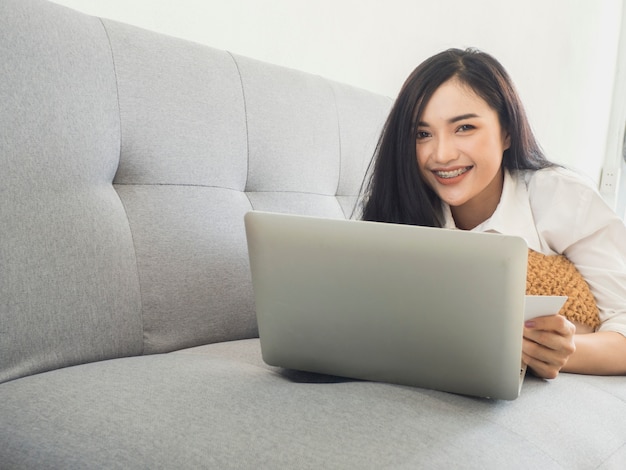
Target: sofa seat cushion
{"type": "Point", "coordinates": [219, 406]}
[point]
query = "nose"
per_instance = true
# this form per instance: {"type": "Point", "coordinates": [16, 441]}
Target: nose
{"type": "Point", "coordinates": [444, 150]}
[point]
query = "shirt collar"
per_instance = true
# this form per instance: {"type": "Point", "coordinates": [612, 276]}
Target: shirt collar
{"type": "Point", "coordinates": [513, 215]}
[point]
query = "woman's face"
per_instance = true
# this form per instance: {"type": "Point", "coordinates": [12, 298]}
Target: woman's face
{"type": "Point", "coordinates": [459, 149]}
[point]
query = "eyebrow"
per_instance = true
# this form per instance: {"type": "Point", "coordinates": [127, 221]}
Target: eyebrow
{"type": "Point", "coordinates": [453, 119]}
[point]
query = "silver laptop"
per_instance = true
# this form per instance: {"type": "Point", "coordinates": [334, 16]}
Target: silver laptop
{"type": "Point", "coordinates": [425, 307]}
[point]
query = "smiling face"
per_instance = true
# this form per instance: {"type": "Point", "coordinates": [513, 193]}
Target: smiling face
{"type": "Point", "coordinates": [459, 148]}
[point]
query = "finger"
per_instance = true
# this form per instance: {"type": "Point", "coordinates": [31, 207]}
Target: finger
{"type": "Point", "coordinates": [540, 368]}
{"type": "Point", "coordinates": [556, 323]}
{"type": "Point", "coordinates": [537, 351]}
{"type": "Point", "coordinates": [543, 362]}
{"type": "Point", "coordinates": [544, 353]}
{"type": "Point", "coordinates": [551, 341]}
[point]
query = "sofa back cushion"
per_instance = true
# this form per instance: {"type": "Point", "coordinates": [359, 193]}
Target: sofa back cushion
{"type": "Point", "coordinates": [69, 290]}
{"type": "Point", "coordinates": [130, 159]}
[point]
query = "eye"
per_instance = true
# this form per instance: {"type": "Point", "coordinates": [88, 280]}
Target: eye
{"type": "Point", "coordinates": [465, 128]}
{"type": "Point", "coordinates": [421, 135]}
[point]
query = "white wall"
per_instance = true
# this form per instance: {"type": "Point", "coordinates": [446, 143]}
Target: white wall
{"type": "Point", "coordinates": [561, 53]}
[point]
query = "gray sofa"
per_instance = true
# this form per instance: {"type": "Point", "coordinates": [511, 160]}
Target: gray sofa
{"type": "Point", "coordinates": [127, 326]}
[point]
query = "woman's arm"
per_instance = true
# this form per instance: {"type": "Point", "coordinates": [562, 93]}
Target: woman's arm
{"type": "Point", "coordinates": [575, 221]}
{"type": "Point", "coordinates": [550, 346]}
{"type": "Point", "coordinates": [601, 353]}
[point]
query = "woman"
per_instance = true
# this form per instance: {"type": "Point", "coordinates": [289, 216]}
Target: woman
{"type": "Point", "coordinates": [457, 152]}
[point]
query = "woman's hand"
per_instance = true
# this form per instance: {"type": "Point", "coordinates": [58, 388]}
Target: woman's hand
{"type": "Point", "coordinates": [548, 344]}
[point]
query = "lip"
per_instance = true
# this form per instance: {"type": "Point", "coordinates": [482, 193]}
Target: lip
{"type": "Point", "coordinates": [453, 175]}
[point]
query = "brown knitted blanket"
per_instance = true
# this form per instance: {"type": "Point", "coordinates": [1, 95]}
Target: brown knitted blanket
{"type": "Point", "coordinates": [556, 275]}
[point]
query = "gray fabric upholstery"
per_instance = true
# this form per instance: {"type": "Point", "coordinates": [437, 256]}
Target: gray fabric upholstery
{"type": "Point", "coordinates": [182, 112]}
{"type": "Point", "coordinates": [127, 162]}
{"type": "Point", "coordinates": [68, 279]}
{"type": "Point", "coordinates": [219, 407]}
{"type": "Point", "coordinates": [193, 267]}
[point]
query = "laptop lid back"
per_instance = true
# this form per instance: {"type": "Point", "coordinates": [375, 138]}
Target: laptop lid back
{"type": "Point", "coordinates": [419, 306]}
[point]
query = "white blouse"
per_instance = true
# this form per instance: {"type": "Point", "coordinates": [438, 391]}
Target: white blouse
{"type": "Point", "coordinates": [558, 212]}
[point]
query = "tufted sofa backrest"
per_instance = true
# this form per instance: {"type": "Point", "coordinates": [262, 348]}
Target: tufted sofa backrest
{"type": "Point", "coordinates": [128, 159]}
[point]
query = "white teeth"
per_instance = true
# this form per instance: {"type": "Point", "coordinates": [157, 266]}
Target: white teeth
{"type": "Point", "coordinates": [452, 174]}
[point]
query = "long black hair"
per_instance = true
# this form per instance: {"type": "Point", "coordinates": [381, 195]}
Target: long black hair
{"type": "Point", "coordinates": [394, 190]}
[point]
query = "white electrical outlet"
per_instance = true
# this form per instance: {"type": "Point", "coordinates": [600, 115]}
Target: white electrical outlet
{"type": "Point", "coordinates": [610, 180]}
